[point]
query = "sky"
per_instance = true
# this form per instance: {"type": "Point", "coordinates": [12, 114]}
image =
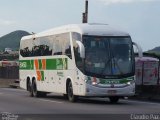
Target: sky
{"type": "Point", "coordinates": [140, 18]}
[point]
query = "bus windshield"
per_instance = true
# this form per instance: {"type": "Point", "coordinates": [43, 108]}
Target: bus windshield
{"type": "Point", "coordinates": [108, 56]}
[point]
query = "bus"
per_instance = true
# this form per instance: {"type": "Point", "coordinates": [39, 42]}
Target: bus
{"type": "Point", "coordinates": [78, 60]}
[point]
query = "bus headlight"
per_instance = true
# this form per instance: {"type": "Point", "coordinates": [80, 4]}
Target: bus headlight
{"type": "Point", "coordinates": [93, 81]}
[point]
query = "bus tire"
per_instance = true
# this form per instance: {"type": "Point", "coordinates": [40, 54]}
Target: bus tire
{"type": "Point", "coordinates": [29, 88]}
{"type": "Point", "coordinates": [114, 99]}
{"type": "Point", "coordinates": [34, 89]}
{"type": "Point", "coordinates": [71, 96]}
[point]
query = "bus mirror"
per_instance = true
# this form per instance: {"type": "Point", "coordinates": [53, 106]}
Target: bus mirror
{"type": "Point", "coordinates": [140, 51]}
{"type": "Point", "coordinates": [81, 49]}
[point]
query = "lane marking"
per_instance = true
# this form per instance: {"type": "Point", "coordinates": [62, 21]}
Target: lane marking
{"type": "Point", "coordinates": [143, 102]}
{"type": "Point", "coordinates": [53, 101]}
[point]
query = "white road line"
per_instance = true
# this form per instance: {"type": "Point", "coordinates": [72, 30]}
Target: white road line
{"type": "Point", "coordinates": [51, 101]}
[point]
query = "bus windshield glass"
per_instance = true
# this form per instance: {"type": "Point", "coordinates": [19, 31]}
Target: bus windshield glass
{"type": "Point", "coordinates": [108, 56]}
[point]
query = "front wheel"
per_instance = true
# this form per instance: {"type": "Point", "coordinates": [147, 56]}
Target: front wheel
{"type": "Point", "coordinates": [71, 96]}
{"type": "Point", "coordinates": [114, 99]}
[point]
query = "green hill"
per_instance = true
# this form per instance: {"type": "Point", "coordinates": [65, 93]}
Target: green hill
{"type": "Point", "coordinates": [156, 49]}
{"type": "Point", "coordinates": [155, 52]}
{"type": "Point", "coordinates": [12, 40]}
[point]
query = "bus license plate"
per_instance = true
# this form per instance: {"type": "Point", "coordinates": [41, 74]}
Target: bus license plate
{"type": "Point", "coordinates": [112, 92]}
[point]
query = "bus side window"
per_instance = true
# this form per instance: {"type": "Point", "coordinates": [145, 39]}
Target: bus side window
{"type": "Point", "coordinates": [26, 48]}
{"type": "Point", "coordinates": [42, 47]}
{"type": "Point", "coordinates": [61, 45]}
{"type": "Point", "coordinates": [67, 46]}
{"type": "Point", "coordinates": [68, 51]}
{"type": "Point", "coordinates": [78, 59]}
{"type": "Point", "coordinates": [57, 45]}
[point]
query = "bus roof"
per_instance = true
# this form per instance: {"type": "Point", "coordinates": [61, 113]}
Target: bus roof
{"type": "Point", "coordinates": [85, 29]}
{"type": "Point", "coordinates": [146, 59]}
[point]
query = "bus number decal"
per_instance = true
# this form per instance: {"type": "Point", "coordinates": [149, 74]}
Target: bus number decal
{"type": "Point", "coordinates": [23, 65]}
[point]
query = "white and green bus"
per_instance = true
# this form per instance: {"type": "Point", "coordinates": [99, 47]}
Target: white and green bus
{"type": "Point", "coordinates": [88, 60]}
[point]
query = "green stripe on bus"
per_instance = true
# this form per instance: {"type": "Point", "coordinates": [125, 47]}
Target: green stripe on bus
{"type": "Point", "coordinates": [51, 64]}
{"type": "Point", "coordinates": [114, 81]}
{"type": "Point", "coordinates": [40, 64]}
{"type": "Point", "coordinates": [31, 64]}
{"type": "Point", "coordinates": [106, 81]}
{"type": "Point", "coordinates": [42, 74]}
{"type": "Point", "coordinates": [26, 64]}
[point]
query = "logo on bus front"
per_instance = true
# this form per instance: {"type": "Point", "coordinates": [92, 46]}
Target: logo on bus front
{"type": "Point", "coordinates": [113, 81]}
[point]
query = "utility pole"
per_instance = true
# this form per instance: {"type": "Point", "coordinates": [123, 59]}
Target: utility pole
{"type": "Point", "coordinates": [85, 14]}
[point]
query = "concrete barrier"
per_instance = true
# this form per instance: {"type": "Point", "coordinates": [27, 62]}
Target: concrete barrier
{"type": "Point", "coordinates": [6, 82]}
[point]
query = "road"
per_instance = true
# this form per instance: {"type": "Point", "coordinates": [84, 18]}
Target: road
{"type": "Point", "coordinates": [17, 101]}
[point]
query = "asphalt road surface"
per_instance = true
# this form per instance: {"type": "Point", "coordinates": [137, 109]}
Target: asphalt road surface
{"type": "Point", "coordinates": [17, 101]}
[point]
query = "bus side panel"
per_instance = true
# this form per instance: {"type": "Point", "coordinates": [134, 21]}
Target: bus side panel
{"type": "Point", "coordinates": [22, 79]}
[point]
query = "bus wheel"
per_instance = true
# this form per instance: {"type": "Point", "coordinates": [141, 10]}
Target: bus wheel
{"type": "Point", "coordinates": [34, 89]}
{"type": "Point", "coordinates": [71, 96]}
{"type": "Point", "coordinates": [114, 99]}
{"type": "Point", "coordinates": [29, 88]}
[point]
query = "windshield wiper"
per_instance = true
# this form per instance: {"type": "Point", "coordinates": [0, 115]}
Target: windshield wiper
{"type": "Point", "coordinates": [115, 64]}
{"type": "Point", "coordinates": [106, 63]}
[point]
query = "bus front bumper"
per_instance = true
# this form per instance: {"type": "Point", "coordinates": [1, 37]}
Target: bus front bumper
{"type": "Point", "coordinates": [106, 92]}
